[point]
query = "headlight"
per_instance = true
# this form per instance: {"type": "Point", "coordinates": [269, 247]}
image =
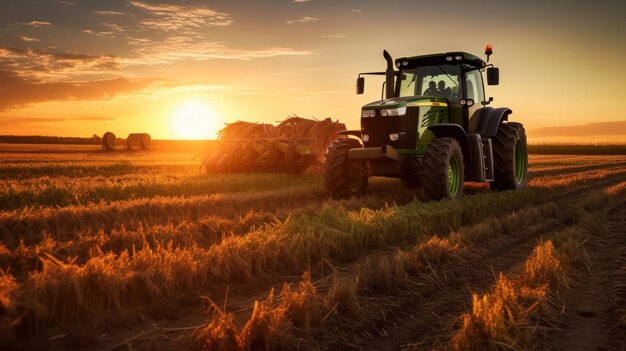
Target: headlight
{"type": "Point", "coordinates": [368, 113]}
{"type": "Point", "coordinates": [365, 137]}
{"type": "Point", "coordinates": [394, 136]}
{"type": "Point", "coordinates": [393, 111]}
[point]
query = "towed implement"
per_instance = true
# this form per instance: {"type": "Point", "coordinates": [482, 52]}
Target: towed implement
{"type": "Point", "coordinates": [292, 146]}
{"type": "Point", "coordinates": [433, 129]}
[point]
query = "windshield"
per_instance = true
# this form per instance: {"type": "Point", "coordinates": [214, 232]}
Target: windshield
{"type": "Point", "coordinates": [434, 81]}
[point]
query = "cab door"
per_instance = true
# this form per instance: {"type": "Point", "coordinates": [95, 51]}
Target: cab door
{"type": "Point", "coordinates": [475, 90]}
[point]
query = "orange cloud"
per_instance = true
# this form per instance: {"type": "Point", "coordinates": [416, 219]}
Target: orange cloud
{"type": "Point", "coordinates": [46, 64]}
{"type": "Point", "coordinates": [37, 23]}
{"type": "Point", "coordinates": [16, 91]}
{"type": "Point", "coordinates": [167, 17]}
{"type": "Point", "coordinates": [45, 120]}
{"type": "Point", "coordinates": [29, 39]}
{"type": "Point", "coordinates": [304, 19]}
{"type": "Point", "coordinates": [109, 13]}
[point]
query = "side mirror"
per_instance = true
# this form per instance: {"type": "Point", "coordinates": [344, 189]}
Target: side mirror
{"type": "Point", "coordinates": [493, 76]}
{"type": "Point", "coordinates": [360, 85]}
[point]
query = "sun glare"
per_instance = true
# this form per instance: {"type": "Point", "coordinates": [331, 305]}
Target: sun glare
{"type": "Point", "coordinates": [194, 120]}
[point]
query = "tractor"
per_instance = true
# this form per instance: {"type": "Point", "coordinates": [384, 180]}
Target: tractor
{"type": "Point", "coordinates": [434, 128]}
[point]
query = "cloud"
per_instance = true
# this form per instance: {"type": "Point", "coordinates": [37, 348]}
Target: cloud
{"type": "Point", "coordinates": [357, 10]}
{"type": "Point", "coordinates": [171, 18]}
{"type": "Point", "coordinates": [16, 120]}
{"type": "Point", "coordinates": [178, 48]}
{"type": "Point", "coordinates": [299, 1]}
{"type": "Point", "coordinates": [99, 34]}
{"type": "Point", "coordinates": [37, 24]}
{"type": "Point", "coordinates": [167, 87]}
{"type": "Point", "coordinates": [51, 65]}
{"type": "Point", "coordinates": [108, 13]}
{"type": "Point", "coordinates": [46, 120]}
{"type": "Point", "coordinates": [29, 39]}
{"type": "Point", "coordinates": [304, 19]}
{"type": "Point", "coordinates": [113, 26]}
{"type": "Point", "coordinates": [16, 91]}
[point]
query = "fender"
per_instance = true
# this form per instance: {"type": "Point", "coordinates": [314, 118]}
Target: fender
{"type": "Point", "coordinates": [485, 121]}
{"type": "Point", "coordinates": [455, 131]}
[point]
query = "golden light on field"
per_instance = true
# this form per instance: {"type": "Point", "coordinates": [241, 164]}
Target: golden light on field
{"type": "Point", "coordinates": [194, 120]}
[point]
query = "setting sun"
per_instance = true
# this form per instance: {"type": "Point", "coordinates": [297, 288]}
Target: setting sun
{"type": "Point", "coordinates": [194, 120]}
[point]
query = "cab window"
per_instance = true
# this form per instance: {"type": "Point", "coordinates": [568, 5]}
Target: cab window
{"type": "Point", "coordinates": [407, 84]}
{"type": "Point", "coordinates": [432, 81]}
{"type": "Point", "coordinates": [474, 86]}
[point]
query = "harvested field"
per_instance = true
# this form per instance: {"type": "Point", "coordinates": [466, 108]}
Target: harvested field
{"type": "Point", "coordinates": [116, 251]}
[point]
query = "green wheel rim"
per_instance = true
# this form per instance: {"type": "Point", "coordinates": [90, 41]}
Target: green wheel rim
{"type": "Point", "coordinates": [355, 177]}
{"type": "Point", "coordinates": [453, 176]}
{"type": "Point", "coordinates": [520, 162]}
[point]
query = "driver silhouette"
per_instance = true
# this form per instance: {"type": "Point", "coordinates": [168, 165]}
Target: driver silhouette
{"type": "Point", "coordinates": [445, 92]}
{"type": "Point", "coordinates": [432, 89]}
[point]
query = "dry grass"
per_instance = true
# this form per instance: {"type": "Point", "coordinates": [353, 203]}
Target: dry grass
{"type": "Point", "coordinates": [616, 189]}
{"type": "Point", "coordinates": [507, 316]}
{"type": "Point", "coordinates": [500, 319]}
{"type": "Point", "coordinates": [303, 306]}
{"type": "Point", "coordinates": [433, 252]}
{"type": "Point", "coordinates": [266, 329]}
{"type": "Point", "coordinates": [76, 244]}
{"type": "Point", "coordinates": [220, 334]}
{"type": "Point", "coordinates": [269, 326]}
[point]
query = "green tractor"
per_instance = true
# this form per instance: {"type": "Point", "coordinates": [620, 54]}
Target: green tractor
{"type": "Point", "coordinates": [433, 129]}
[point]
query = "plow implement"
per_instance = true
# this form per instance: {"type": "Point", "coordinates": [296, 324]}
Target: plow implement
{"type": "Point", "coordinates": [292, 146]}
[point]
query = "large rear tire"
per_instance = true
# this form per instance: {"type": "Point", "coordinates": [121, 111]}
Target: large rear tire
{"type": "Point", "coordinates": [510, 157]}
{"type": "Point", "coordinates": [443, 171]}
{"type": "Point", "coordinates": [343, 178]}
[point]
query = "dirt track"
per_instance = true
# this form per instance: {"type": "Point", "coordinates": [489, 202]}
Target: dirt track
{"type": "Point", "coordinates": [593, 315]}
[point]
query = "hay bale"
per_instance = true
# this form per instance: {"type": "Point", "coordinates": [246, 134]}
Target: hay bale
{"type": "Point", "coordinates": [108, 141]}
{"type": "Point", "coordinates": [145, 141]}
{"type": "Point", "coordinates": [138, 141]}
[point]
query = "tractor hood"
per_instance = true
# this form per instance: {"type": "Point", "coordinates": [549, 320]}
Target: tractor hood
{"type": "Point", "coordinates": [406, 101]}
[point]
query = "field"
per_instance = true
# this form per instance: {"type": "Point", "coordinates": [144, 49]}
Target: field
{"type": "Point", "coordinates": [137, 251]}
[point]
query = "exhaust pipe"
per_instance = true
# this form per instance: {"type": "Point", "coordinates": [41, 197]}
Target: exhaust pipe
{"type": "Point", "coordinates": [390, 90]}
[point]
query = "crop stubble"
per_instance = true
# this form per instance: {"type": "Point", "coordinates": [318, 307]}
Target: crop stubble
{"type": "Point", "coordinates": [152, 232]}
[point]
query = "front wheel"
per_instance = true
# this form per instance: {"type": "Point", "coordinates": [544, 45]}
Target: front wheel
{"type": "Point", "coordinates": [443, 172]}
{"type": "Point", "coordinates": [342, 177]}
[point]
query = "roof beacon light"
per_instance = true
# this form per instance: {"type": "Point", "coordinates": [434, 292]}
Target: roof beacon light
{"type": "Point", "coordinates": [488, 51]}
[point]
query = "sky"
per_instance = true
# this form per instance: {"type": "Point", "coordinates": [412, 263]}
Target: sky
{"type": "Point", "coordinates": [181, 69]}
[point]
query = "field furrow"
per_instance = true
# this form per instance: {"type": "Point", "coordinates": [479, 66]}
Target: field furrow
{"type": "Point", "coordinates": [428, 304]}
{"type": "Point", "coordinates": [105, 239]}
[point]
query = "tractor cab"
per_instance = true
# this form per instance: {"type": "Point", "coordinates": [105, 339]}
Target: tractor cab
{"type": "Point", "coordinates": [432, 128]}
{"type": "Point", "coordinates": [455, 76]}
